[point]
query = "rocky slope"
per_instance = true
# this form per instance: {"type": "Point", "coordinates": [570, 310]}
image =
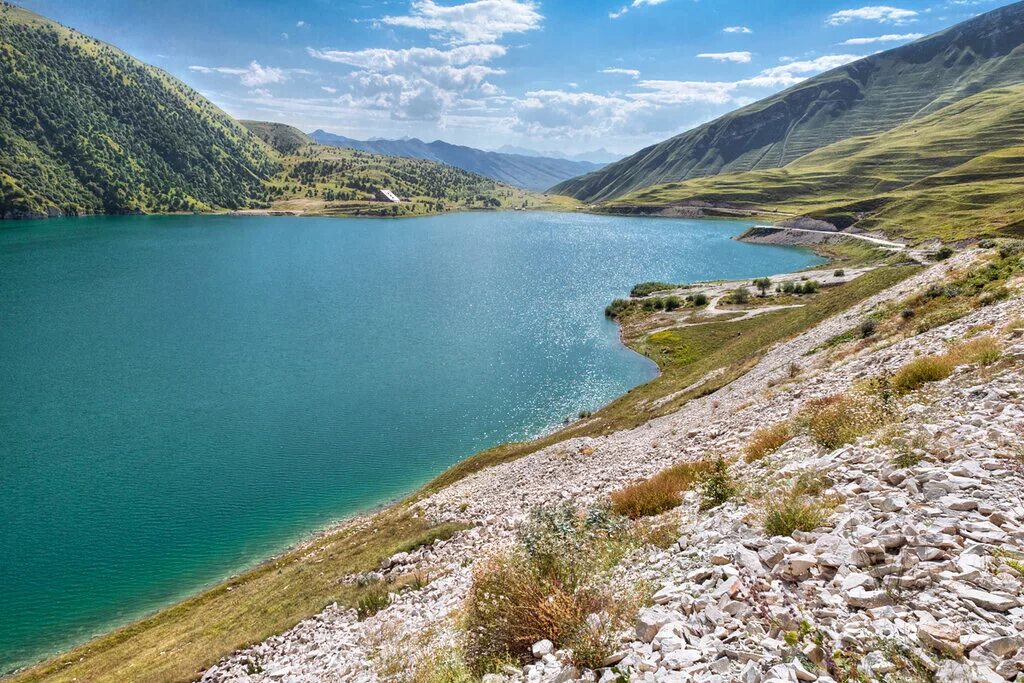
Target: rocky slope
{"type": "Point", "coordinates": [917, 572]}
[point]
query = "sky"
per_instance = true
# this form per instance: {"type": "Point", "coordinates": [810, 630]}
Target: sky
{"type": "Point", "coordinates": [563, 76]}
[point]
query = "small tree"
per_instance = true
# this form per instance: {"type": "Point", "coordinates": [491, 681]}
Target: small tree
{"type": "Point", "coordinates": [763, 284]}
{"type": "Point", "coordinates": [740, 295]}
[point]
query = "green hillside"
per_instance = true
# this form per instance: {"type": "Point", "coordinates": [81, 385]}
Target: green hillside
{"type": "Point", "coordinates": [283, 138]}
{"type": "Point", "coordinates": [954, 174]}
{"type": "Point", "coordinates": [866, 97]}
{"type": "Point", "coordinates": [322, 179]}
{"type": "Point", "coordinates": [87, 128]}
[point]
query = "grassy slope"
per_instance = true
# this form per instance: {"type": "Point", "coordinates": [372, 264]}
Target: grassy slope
{"type": "Point", "coordinates": [866, 97]}
{"type": "Point", "coordinates": [177, 643]}
{"type": "Point", "coordinates": [954, 174]}
{"type": "Point", "coordinates": [86, 128]}
{"type": "Point", "coordinates": [284, 139]}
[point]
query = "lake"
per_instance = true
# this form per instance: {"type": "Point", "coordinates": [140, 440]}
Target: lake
{"type": "Point", "coordinates": [182, 396]}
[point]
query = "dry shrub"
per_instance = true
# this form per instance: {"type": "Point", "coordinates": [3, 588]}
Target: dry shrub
{"type": "Point", "coordinates": [766, 441]}
{"type": "Point", "coordinates": [837, 420]}
{"type": "Point", "coordinates": [552, 585]}
{"type": "Point", "coordinates": [661, 492]}
{"type": "Point", "coordinates": [921, 371]}
{"type": "Point", "coordinates": [646, 498]}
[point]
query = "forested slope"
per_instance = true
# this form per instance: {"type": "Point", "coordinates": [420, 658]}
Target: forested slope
{"type": "Point", "coordinates": [86, 128]}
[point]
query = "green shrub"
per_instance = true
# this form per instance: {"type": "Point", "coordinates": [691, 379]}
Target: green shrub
{"type": "Point", "coordinates": [839, 272]}
{"type": "Point", "coordinates": [791, 512]}
{"type": "Point", "coordinates": [867, 328]}
{"type": "Point", "coordinates": [766, 441]}
{"type": "Point", "coordinates": [700, 299]}
{"type": "Point", "coordinates": [673, 303]}
{"type": "Point", "coordinates": [617, 308]}
{"type": "Point", "coordinates": [943, 253]}
{"type": "Point", "coordinates": [374, 599]}
{"type": "Point", "coordinates": [740, 295]}
{"type": "Point", "coordinates": [718, 486]}
{"type": "Point", "coordinates": [647, 288]}
{"type": "Point", "coordinates": [789, 287]}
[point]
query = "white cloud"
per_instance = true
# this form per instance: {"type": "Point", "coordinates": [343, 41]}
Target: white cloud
{"type": "Point", "coordinates": [737, 57]}
{"type": "Point", "coordinates": [636, 3]}
{"type": "Point", "coordinates": [880, 13]}
{"type": "Point", "coordinates": [300, 24]}
{"type": "Point", "coordinates": [653, 107]}
{"type": "Point", "coordinates": [421, 83]}
{"type": "Point", "coordinates": [632, 73]}
{"type": "Point", "coordinates": [737, 29]}
{"type": "Point", "coordinates": [329, 90]}
{"type": "Point", "coordinates": [253, 75]}
{"type": "Point", "coordinates": [794, 72]}
{"type": "Point", "coordinates": [887, 38]}
{"type": "Point", "coordinates": [479, 21]}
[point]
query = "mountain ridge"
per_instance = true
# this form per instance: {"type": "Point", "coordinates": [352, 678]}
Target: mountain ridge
{"type": "Point", "coordinates": [867, 96]}
{"type": "Point", "coordinates": [536, 173]}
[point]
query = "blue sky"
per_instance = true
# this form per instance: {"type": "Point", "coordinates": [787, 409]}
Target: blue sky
{"type": "Point", "coordinates": [561, 75]}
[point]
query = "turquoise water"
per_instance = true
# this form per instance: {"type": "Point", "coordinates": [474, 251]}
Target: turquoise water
{"type": "Point", "coordinates": [182, 396]}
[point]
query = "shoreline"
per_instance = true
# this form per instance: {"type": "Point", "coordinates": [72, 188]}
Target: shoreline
{"type": "Point", "coordinates": [557, 432]}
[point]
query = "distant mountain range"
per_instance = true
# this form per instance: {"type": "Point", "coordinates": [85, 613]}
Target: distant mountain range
{"type": "Point", "coordinates": [536, 173]}
{"type": "Point", "coordinates": [866, 97]}
{"type": "Point", "coordinates": [597, 156]}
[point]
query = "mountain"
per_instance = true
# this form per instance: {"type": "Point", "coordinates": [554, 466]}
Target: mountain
{"type": "Point", "coordinates": [283, 138]}
{"type": "Point", "coordinates": [86, 128]}
{"type": "Point", "coordinates": [957, 173]}
{"type": "Point", "coordinates": [529, 172]}
{"type": "Point", "coordinates": [597, 156]}
{"type": "Point", "coordinates": [329, 180]}
{"type": "Point", "coordinates": [865, 97]}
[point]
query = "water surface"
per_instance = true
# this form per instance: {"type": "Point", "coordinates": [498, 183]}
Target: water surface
{"type": "Point", "coordinates": [182, 396]}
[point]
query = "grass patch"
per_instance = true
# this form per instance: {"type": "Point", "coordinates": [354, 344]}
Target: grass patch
{"type": "Point", "coordinates": [766, 441]}
{"type": "Point", "coordinates": [375, 598]}
{"type": "Point", "coordinates": [788, 513]}
{"type": "Point", "coordinates": [837, 420]}
{"type": "Point", "coordinates": [983, 351]}
{"type": "Point", "coordinates": [552, 585]}
{"type": "Point", "coordinates": [661, 492]}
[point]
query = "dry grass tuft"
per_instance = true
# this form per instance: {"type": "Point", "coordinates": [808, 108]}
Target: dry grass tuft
{"type": "Point", "coordinates": [983, 351]}
{"type": "Point", "coordinates": [552, 585]}
{"type": "Point", "coordinates": [661, 492]}
{"type": "Point", "coordinates": [835, 421]}
{"type": "Point", "coordinates": [921, 371]}
{"type": "Point", "coordinates": [766, 441]}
